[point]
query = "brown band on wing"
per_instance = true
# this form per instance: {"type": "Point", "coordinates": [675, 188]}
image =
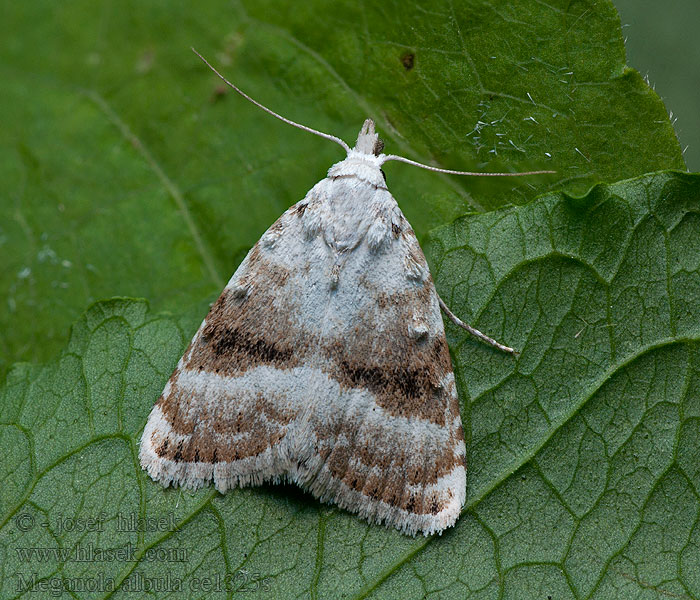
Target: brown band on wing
{"type": "Point", "coordinates": [390, 487]}
{"type": "Point", "coordinates": [243, 332]}
{"type": "Point", "coordinates": [409, 461]}
{"type": "Point", "coordinates": [404, 375]}
{"type": "Point", "coordinates": [222, 431]}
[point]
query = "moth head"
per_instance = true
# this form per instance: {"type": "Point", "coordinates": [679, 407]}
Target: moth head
{"type": "Point", "coordinates": [368, 141]}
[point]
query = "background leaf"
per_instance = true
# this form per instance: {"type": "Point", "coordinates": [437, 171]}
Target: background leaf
{"type": "Point", "coordinates": [583, 452]}
{"type": "Point", "coordinates": [127, 171]}
{"type": "Point", "coordinates": [662, 44]}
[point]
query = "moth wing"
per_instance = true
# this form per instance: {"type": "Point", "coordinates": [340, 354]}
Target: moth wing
{"type": "Point", "coordinates": [385, 433]}
{"type": "Point", "coordinates": [230, 407]}
{"type": "Point", "coordinates": [326, 368]}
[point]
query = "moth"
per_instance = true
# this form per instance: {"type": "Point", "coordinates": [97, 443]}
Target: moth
{"type": "Point", "coordinates": [324, 362]}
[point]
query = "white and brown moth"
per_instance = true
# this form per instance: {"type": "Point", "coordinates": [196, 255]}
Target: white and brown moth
{"type": "Point", "coordinates": [324, 363]}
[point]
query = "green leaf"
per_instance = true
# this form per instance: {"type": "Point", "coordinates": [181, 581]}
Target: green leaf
{"type": "Point", "coordinates": [583, 452]}
{"type": "Point", "coordinates": [127, 172]}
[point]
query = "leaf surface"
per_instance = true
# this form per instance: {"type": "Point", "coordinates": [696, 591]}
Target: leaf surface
{"type": "Point", "coordinates": [583, 452]}
{"type": "Point", "coordinates": [128, 171]}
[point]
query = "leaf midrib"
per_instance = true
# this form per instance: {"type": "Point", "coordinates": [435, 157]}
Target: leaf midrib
{"type": "Point", "coordinates": [172, 189]}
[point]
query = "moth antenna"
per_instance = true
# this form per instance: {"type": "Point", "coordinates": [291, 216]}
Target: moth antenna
{"type": "Point", "coordinates": [475, 332]}
{"type": "Point", "coordinates": [389, 157]}
{"type": "Point", "coordinates": [328, 136]}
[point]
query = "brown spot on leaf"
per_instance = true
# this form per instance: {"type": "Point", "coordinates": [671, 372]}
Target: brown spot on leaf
{"type": "Point", "coordinates": [219, 93]}
{"type": "Point", "coordinates": [408, 60]}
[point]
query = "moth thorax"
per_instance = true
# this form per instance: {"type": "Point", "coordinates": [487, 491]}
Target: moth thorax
{"type": "Point", "coordinates": [357, 165]}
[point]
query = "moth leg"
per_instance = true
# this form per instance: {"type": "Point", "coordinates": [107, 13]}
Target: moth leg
{"type": "Point", "coordinates": [475, 332]}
